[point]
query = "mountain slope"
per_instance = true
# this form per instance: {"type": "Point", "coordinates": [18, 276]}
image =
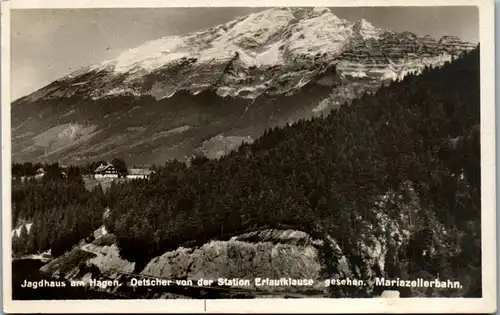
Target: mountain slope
{"type": "Point", "coordinates": [380, 178]}
{"type": "Point", "coordinates": [177, 95]}
{"type": "Point", "coordinates": [388, 187]}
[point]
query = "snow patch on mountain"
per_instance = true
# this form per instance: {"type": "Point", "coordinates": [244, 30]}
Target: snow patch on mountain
{"type": "Point", "coordinates": [98, 94]}
{"type": "Point", "coordinates": [322, 33]}
{"type": "Point", "coordinates": [272, 52]}
{"type": "Point", "coordinates": [274, 37]}
{"type": "Point", "coordinates": [366, 30]}
{"type": "Point", "coordinates": [271, 56]}
{"type": "Point", "coordinates": [150, 55]}
{"type": "Point", "coordinates": [218, 43]}
{"type": "Point", "coordinates": [254, 32]}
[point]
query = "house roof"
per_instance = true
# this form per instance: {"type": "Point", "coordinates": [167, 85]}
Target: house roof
{"type": "Point", "coordinates": [103, 167]}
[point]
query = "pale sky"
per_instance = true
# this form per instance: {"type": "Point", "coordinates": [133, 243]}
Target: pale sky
{"type": "Point", "coordinates": [48, 44]}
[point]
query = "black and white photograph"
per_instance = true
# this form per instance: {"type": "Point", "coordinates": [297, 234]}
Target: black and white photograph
{"type": "Point", "coordinates": [291, 153]}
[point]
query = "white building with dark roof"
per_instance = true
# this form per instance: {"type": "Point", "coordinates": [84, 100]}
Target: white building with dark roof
{"type": "Point", "coordinates": [139, 173]}
{"type": "Point", "coordinates": [106, 170]}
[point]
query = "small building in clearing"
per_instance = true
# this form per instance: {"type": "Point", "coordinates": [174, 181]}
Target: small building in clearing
{"type": "Point", "coordinates": [106, 170]}
{"type": "Point", "coordinates": [139, 173]}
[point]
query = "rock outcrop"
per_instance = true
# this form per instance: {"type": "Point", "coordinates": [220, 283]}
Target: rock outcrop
{"type": "Point", "coordinates": [270, 254]}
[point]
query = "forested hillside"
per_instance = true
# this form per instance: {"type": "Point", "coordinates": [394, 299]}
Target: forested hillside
{"type": "Point", "coordinates": [61, 209]}
{"type": "Point", "coordinates": [411, 149]}
{"type": "Point", "coordinates": [326, 175]}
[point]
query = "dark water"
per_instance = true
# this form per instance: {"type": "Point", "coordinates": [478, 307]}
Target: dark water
{"type": "Point", "coordinates": [28, 269]}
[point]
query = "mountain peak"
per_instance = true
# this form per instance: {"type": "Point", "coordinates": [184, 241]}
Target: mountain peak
{"type": "Point", "coordinates": [276, 65]}
{"type": "Point", "coordinates": [317, 11]}
{"type": "Point", "coordinates": [366, 29]}
{"type": "Point", "coordinates": [258, 38]}
{"type": "Point", "coordinates": [225, 57]}
{"type": "Point", "coordinates": [299, 13]}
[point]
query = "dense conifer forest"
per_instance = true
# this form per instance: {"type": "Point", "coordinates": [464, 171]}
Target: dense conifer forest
{"type": "Point", "coordinates": [413, 144]}
{"type": "Point", "coordinates": [62, 210]}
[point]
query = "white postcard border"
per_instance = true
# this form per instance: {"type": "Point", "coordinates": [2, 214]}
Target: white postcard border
{"type": "Point", "coordinates": [486, 304]}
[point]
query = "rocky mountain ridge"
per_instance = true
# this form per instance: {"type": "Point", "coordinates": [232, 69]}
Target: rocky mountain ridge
{"type": "Point", "coordinates": [169, 96]}
{"type": "Point", "coordinates": [269, 52]}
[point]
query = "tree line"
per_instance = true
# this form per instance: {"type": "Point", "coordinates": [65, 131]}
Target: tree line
{"type": "Point", "coordinates": [29, 169]}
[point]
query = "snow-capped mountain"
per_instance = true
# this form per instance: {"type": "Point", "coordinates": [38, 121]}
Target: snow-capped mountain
{"type": "Point", "coordinates": [232, 80]}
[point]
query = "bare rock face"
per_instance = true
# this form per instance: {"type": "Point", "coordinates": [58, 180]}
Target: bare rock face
{"type": "Point", "coordinates": [108, 260]}
{"type": "Point", "coordinates": [270, 254]}
{"type": "Point", "coordinates": [391, 56]}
